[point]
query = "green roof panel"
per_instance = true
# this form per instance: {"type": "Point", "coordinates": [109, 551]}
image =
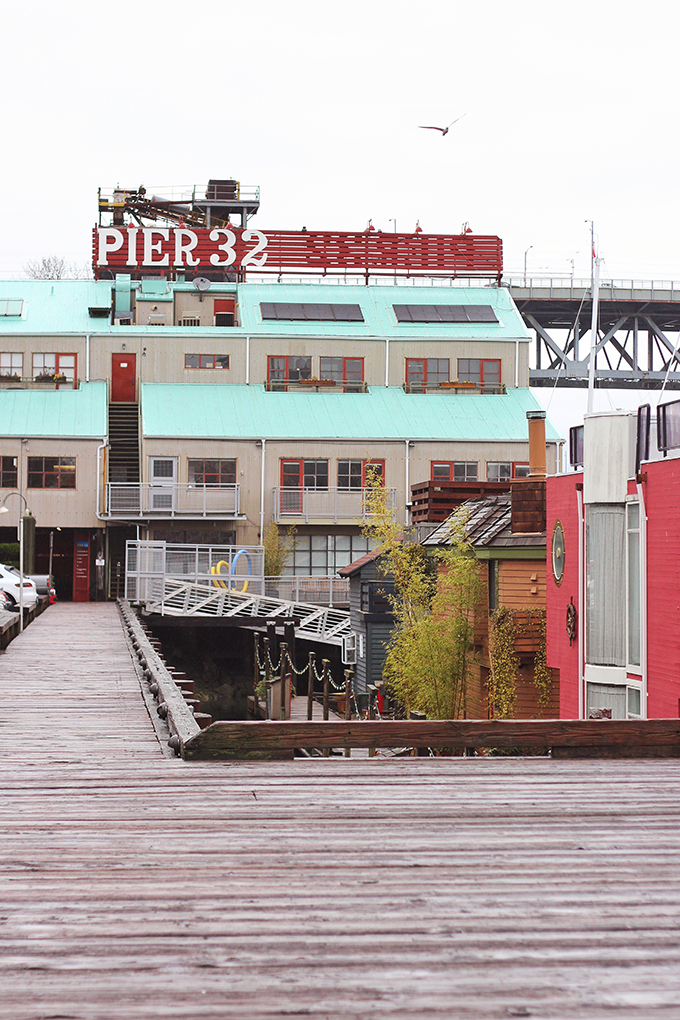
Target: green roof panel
{"type": "Point", "coordinates": [55, 413]}
{"type": "Point", "coordinates": [195, 410]}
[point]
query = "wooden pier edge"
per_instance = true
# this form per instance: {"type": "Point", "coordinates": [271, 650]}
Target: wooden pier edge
{"type": "Point", "coordinates": [180, 719]}
{"type": "Point", "coordinates": [564, 738]}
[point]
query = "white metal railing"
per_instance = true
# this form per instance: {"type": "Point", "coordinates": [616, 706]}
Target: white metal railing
{"type": "Point", "coordinates": [660, 290]}
{"type": "Point", "coordinates": [324, 504]}
{"type": "Point", "coordinates": [322, 591]}
{"type": "Point", "coordinates": [183, 193]}
{"type": "Point", "coordinates": [141, 499]}
{"type": "Point", "coordinates": [150, 566]}
{"type": "Point", "coordinates": [185, 598]}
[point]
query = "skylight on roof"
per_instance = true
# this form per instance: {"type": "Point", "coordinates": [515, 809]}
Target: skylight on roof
{"type": "Point", "coordinates": [444, 313]}
{"type": "Point", "coordinates": [307, 312]}
{"type": "Point", "coordinates": [11, 306]}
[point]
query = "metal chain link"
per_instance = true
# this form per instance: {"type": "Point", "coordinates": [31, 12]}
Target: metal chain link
{"type": "Point", "coordinates": [275, 668]}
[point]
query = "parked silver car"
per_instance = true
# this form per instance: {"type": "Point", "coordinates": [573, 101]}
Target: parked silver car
{"type": "Point", "coordinates": [10, 583]}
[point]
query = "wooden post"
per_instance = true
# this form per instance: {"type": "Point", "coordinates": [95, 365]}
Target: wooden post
{"type": "Point", "coordinates": [310, 686]}
{"type": "Point", "coordinates": [326, 663]}
{"type": "Point", "coordinates": [289, 637]}
{"type": "Point", "coordinates": [283, 647]}
{"type": "Point", "coordinates": [267, 677]}
{"type": "Point", "coordinates": [256, 672]}
{"type": "Point", "coordinates": [271, 637]}
{"type": "Point", "coordinates": [348, 703]}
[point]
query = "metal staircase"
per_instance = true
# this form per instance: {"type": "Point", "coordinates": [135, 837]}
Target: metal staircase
{"type": "Point", "coordinates": [123, 442]}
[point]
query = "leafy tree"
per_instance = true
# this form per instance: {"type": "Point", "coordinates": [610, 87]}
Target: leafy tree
{"type": "Point", "coordinates": [431, 649]}
{"type": "Point", "coordinates": [278, 546]}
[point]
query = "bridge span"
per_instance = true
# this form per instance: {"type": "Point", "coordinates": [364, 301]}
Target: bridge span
{"type": "Point", "coordinates": [637, 333]}
{"type": "Point", "coordinates": [136, 886]}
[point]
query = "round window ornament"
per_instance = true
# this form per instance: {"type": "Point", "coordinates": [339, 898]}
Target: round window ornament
{"type": "Point", "coordinates": [558, 552]}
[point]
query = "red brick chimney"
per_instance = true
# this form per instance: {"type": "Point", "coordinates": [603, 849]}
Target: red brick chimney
{"type": "Point", "coordinates": [527, 495]}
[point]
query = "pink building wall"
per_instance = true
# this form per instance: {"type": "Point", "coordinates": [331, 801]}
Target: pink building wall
{"type": "Point", "coordinates": [561, 504]}
{"type": "Point", "coordinates": [661, 492]}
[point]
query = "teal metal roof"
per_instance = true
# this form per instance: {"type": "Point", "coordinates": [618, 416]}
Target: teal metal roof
{"type": "Point", "coordinates": [72, 414]}
{"type": "Point", "coordinates": [55, 306]}
{"type": "Point", "coordinates": [376, 305]}
{"type": "Point", "coordinates": [62, 306]}
{"type": "Point", "coordinates": [201, 411]}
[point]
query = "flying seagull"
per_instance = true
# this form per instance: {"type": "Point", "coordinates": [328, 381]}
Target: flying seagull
{"type": "Point", "coordinates": [444, 130]}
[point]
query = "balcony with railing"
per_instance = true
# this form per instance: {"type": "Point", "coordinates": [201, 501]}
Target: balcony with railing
{"type": "Point", "coordinates": [126, 500]}
{"type": "Point", "coordinates": [316, 385]}
{"type": "Point", "coordinates": [317, 506]}
{"type": "Point", "coordinates": [454, 387]}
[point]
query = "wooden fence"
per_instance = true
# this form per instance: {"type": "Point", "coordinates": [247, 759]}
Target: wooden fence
{"type": "Point", "coordinates": [563, 738]}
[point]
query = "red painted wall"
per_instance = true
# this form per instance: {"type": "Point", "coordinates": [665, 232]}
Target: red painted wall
{"type": "Point", "coordinates": [561, 504]}
{"type": "Point", "coordinates": [662, 499]}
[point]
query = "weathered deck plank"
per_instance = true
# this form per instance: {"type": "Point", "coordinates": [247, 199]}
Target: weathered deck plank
{"type": "Point", "coordinates": [135, 886]}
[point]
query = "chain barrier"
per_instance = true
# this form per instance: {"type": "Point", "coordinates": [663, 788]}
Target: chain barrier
{"type": "Point", "coordinates": [276, 668]}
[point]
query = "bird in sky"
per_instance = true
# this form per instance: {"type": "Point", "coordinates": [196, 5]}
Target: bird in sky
{"type": "Point", "coordinates": [444, 130]}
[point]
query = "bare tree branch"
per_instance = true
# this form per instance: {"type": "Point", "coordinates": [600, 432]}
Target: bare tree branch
{"type": "Point", "coordinates": [55, 267]}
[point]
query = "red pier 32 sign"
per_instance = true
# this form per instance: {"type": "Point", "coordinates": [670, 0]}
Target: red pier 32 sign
{"type": "Point", "coordinates": [169, 250]}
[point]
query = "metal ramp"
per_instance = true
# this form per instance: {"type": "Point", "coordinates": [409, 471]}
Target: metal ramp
{"type": "Point", "coordinates": [186, 598]}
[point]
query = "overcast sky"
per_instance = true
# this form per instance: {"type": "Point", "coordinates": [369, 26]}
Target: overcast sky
{"type": "Point", "coordinates": [570, 115]}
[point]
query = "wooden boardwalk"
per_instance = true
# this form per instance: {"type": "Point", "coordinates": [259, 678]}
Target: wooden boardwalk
{"type": "Point", "coordinates": [134, 886]}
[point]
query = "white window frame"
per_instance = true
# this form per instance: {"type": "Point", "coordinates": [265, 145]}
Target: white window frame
{"type": "Point", "coordinates": [615, 676]}
{"type": "Point", "coordinates": [634, 667]}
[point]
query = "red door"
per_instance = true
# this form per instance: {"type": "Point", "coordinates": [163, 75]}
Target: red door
{"type": "Point", "coordinates": [291, 487]}
{"type": "Point", "coordinates": [81, 567]}
{"type": "Point", "coordinates": [123, 378]}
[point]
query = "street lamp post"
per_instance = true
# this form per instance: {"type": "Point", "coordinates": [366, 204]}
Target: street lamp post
{"type": "Point", "coordinates": [5, 510]}
{"type": "Point", "coordinates": [525, 263]}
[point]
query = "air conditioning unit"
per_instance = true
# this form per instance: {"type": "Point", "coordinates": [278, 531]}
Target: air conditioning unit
{"type": "Point", "coordinates": [190, 320]}
{"type": "Point", "coordinates": [349, 649]}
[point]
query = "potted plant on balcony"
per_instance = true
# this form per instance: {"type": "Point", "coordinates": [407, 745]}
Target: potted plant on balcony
{"type": "Point", "coordinates": [50, 377]}
{"type": "Point", "coordinates": [313, 381]}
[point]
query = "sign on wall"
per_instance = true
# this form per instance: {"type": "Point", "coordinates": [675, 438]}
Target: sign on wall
{"type": "Point", "coordinates": [169, 250]}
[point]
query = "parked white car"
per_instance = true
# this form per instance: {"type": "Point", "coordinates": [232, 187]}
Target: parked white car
{"type": "Point", "coordinates": [10, 583]}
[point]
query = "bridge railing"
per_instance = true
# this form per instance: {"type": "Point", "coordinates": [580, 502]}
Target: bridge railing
{"type": "Point", "coordinates": [322, 591]}
{"type": "Point", "coordinates": [566, 288]}
{"type": "Point", "coordinates": [150, 565]}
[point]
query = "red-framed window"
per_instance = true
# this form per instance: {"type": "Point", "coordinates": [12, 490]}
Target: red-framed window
{"type": "Point", "coordinates": [504, 470]}
{"type": "Point", "coordinates": [354, 474]}
{"type": "Point", "coordinates": [217, 473]}
{"type": "Point", "coordinates": [304, 474]}
{"type": "Point", "coordinates": [55, 365]}
{"type": "Point", "coordinates": [206, 361]}
{"type": "Point", "coordinates": [345, 370]}
{"type": "Point", "coordinates": [483, 371]}
{"type": "Point", "coordinates": [8, 472]}
{"type": "Point", "coordinates": [454, 470]}
{"type": "Point", "coordinates": [288, 368]}
{"type": "Point", "coordinates": [426, 372]}
{"type": "Point", "coordinates": [51, 472]}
